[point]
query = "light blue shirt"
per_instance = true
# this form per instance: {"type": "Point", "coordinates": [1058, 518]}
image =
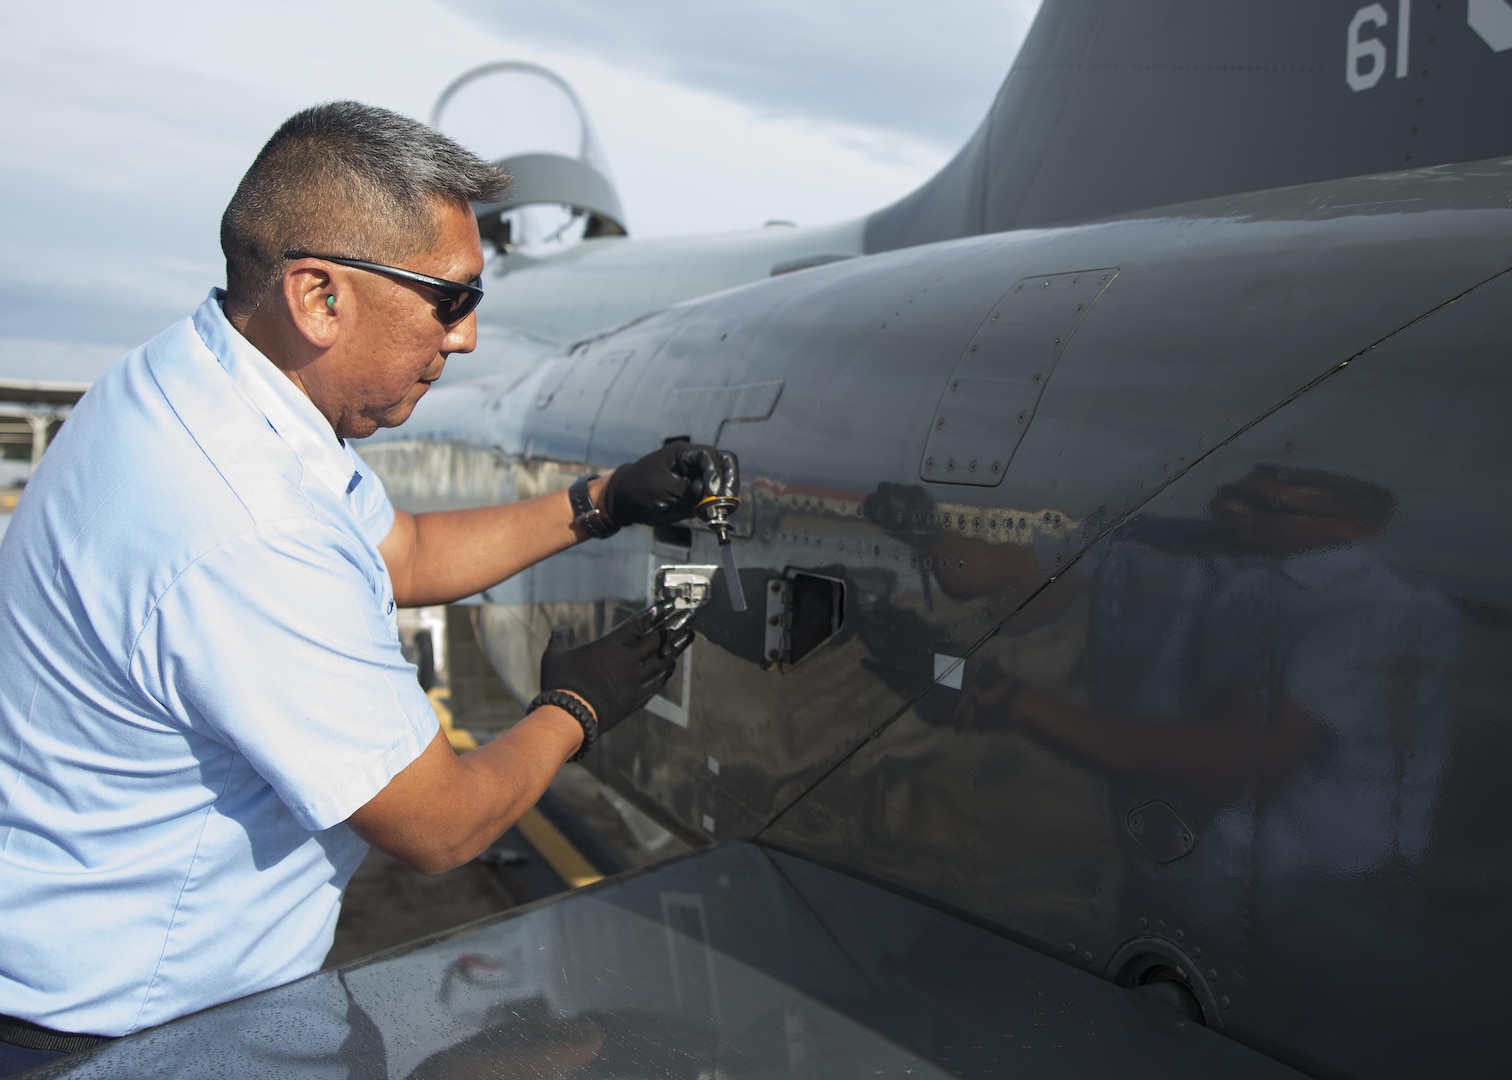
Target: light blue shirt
{"type": "Point", "coordinates": [200, 681]}
{"type": "Point", "coordinates": [1371, 659]}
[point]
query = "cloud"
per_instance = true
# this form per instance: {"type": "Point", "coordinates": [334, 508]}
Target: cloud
{"type": "Point", "coordinates": [124, 128]}
{"type": "Point", "coordinates": [52, 360]}
{"type": "Point", "coordinates": [925, 72]}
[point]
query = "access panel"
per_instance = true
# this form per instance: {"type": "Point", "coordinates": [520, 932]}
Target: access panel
{"type": "Point", "coordinates": [990, 399]}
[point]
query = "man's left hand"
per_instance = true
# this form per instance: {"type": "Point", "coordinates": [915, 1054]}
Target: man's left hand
{"type": "Point", "coordinates": [666, 484]}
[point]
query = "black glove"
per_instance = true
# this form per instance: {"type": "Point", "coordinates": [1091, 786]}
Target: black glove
{"type": "Point", "coordinates": [666, 484]}
{"type": "Point", "coordinates": [619, 672]}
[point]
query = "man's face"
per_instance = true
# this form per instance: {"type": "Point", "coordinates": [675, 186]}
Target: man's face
{"type": "Point", "coordinates": [1275, 518]}
{"type": "Point", "coordinates": [395, 346]}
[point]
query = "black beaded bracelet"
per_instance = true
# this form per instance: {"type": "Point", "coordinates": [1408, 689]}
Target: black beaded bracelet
{"type": "Point", "coordinates": [574, 708]}
{"type": "Point", "coordinates": [584, 513]}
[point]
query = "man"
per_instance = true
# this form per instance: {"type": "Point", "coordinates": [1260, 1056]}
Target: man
{"type": "Point", "coordinates": [205, 717]}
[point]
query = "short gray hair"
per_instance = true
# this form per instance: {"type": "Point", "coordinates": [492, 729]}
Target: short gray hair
{"type": "Point", "coordinates": [345, 179]}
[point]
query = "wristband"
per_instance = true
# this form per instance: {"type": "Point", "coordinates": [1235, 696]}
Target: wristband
{"type": "Point", "coordinates": [577, 710]}
{"type": "Point", "coordinates": [594, 523]}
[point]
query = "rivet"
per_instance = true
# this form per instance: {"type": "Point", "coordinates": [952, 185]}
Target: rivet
{"type": "Point", "coordinates": [1022, 417]}
{"type": "Point", "coordinates": [1224, 1002]}
{"type": "Point", "coordinates": [1212, 974]}
{"type": "Point", "coordinates": [1181, 935]}
{"type": "Point", "coordinates": [1039, 375]}
{"type": "Point", "coordinates": [950, 465]}
{"type": "Point", "coordinates": [913, 561]}
{"type": "Point", "coordinates": [997, 466]}
{"type": "Point", "coordinates": [1144, 924]}
{"type": "Point", "coordinates": [971, 467]}
{"type": "Point", "coordinates": [955, 384]}
{"type": "Point", "coordinates": [994, 316]}
{"type": "Point", "coordinates": [1087, 956]}
{"type": "Point", "coordinates": [1071, 946]}
{"type": "Point", "coordinates": [774, 620]}
{"type": "Point", "coordinates": [976, 523]}
{"type": "Point", "coordinates": [1160, 925]}
{"type": "Point", "coordinates": [1197, 952]}
{"type": "Point", "coordinates": [1056, 341]}
{"type": "Point", "coordinates": [1046, 285]}
{"type": "Point", "coordinates": [774, 655]}
{"type": "Point", "coordinates": [777, 585]}
{"type": "Point", "coordinates": [928, 563]}
{"type": "Point", "coordinates": [973, 350]}
{"type": "Point", "coordinates": [877, 550]}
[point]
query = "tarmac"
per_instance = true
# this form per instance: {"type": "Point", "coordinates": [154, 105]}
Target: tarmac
{"type": "Point", "coordinates": [590, 834]}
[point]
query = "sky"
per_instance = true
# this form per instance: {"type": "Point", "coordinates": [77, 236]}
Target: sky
{"type": "Point", "coordinates": [124, 128]}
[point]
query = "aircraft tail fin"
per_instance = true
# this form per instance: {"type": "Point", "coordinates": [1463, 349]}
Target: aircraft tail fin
{"type": "Point", "coordinates": [1120, 105]}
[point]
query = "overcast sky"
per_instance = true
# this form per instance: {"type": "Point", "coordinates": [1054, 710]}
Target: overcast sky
{"type": "Point", "coordinates": [124, 128]}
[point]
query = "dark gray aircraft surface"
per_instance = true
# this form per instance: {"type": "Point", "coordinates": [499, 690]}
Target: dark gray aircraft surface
{"type": "Point", "coordinates": [1127, 684]}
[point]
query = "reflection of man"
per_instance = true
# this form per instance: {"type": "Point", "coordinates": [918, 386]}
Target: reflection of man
{"type": "Point", "coordinates": [1367, 656]}
{"type": "Point", "coordinates": [1280, 656]}
{"type": "Point", "coordinates": [205, 717]}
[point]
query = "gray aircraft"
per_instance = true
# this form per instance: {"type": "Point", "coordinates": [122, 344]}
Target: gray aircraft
{"type": "Point", "coordinates": [1124, 687]}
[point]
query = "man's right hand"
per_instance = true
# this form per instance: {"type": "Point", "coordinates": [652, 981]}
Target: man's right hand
{"type": "Point", "coordinates": [619, 672]}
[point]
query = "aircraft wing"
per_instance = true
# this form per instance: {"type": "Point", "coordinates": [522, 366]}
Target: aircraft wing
{"type": "Point", "coordinates": [738, 961]}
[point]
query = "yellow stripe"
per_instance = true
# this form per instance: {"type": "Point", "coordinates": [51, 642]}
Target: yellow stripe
{"type": "Point", "coordinates": [557, 850]}
{"type": "Point", "coordinates": [459, 739]}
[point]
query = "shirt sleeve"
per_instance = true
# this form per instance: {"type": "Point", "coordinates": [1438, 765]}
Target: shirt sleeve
{"type": "Point", "coordinates": [282, 644]}
{"type": "Point", "coordinates": [369, 501]}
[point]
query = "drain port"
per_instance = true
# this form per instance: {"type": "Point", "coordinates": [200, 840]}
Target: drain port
{"type": "Point", "coordinates": [1171, 987]}
{"type": "Point", "coordinates": [1158, 970]}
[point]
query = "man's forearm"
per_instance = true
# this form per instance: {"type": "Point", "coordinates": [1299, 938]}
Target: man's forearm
{"type": "Point", "coordinates": [442, 810]}
{"type": "Point", "coordinates": [447, 555]}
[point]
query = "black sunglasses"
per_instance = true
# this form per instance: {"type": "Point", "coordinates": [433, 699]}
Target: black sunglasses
{"type": "Point", "coordinates": [457, 300]}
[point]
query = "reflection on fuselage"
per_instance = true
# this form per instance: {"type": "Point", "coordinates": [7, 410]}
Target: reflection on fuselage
{"type": "Point", "coordinates": [1257, 666]}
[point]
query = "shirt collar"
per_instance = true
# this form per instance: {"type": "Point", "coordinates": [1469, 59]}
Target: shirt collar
{"type": "Point", "coordinates": [1317, 569]}
{"type": "Point", "coordinates": [268, 390]}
